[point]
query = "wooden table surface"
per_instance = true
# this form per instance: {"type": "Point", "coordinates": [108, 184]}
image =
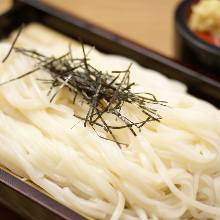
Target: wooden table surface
{"type": "Point", "coordinates": [148, 22]}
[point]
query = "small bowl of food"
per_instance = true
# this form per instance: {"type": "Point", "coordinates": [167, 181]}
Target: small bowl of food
{"type": "Point", "coordinates": [197, 24]}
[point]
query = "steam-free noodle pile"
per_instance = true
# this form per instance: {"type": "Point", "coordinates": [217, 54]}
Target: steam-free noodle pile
{"type": "Point", "coordinates": [170, 171]}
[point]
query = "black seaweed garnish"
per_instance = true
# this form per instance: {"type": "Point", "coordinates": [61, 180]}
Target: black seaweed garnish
{"type": "Point", "coordinates": [105, 93]}
{"type": "Point", "coordinates": [13, 43]}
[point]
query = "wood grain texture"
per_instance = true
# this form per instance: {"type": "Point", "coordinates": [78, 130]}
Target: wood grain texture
{"type": "Point", "coordinates": [148, 22]}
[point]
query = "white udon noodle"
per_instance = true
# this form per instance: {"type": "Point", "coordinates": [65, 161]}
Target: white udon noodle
{"type": "Point", "coordinates": [171, 170]}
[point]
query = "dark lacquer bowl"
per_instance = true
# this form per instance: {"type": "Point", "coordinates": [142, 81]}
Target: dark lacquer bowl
{"type": "Point", "coordinates": [189, 47]}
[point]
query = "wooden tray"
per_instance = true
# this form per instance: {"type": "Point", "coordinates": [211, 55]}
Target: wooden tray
{"type": "Point", "coordinates": [27, 200]}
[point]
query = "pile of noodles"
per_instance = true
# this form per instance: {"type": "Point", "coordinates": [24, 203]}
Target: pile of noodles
{"type": "Point", "coordinates": [170, 171]}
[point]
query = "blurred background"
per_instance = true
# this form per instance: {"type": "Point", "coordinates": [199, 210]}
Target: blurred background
{"type": "Point", "coordinates": [148, 22]}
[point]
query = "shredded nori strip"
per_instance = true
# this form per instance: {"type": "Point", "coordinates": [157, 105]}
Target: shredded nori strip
{"type": "Point", "coordinates": [105, 93]}
{"type": "Point", "coordinates": [13, 43]}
